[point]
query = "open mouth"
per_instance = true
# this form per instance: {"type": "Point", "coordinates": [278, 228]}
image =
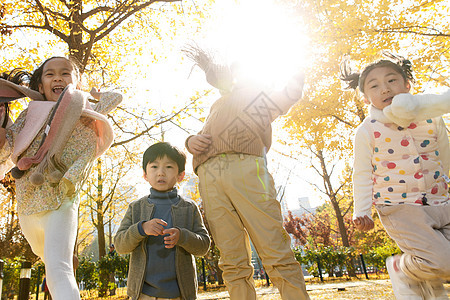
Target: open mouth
{"type": "Point", "coordinates": [388, 99]}
{"type": "Point", "coordinates": [58, 89]}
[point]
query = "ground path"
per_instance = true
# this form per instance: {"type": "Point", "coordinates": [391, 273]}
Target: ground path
{"type": "Point", "coordinates": [354, 290]}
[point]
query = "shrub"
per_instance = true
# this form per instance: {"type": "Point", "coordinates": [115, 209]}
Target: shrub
{"type": "Point", "coordinates": [377, 256]}
{"type": "Point", "coordinates": [331, 258]}
{"type": "Point", "coordinates": [87, 272]}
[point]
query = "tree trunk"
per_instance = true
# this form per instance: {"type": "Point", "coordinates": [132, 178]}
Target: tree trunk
{"type": "Point", "coordinates": [337, 210]}
{"type": "Point", "coordinates": [100, 218]}
{"type": "Point", "coordinates": [101, 228]}
{"type": "Point", "coordinates": [75, 38]}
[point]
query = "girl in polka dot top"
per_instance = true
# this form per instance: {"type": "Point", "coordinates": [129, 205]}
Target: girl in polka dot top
{"type": "Point", "coordinates": [401, 164]}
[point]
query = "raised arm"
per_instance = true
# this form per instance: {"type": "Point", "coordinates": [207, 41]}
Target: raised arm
{"type": "Point", "coordinates": [407, 108]}
{"type": "Point", "coordinates": [290, 94]}
{"type": "Point", "coordinates": [108, 101]}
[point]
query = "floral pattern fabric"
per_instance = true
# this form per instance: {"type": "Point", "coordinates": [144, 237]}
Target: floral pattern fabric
{"type": "Point", "coordinates": [78, 155]}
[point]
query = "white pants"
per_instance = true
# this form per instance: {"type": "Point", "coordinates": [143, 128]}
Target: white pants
{"type": "Point", "coordinates": [52, 235]}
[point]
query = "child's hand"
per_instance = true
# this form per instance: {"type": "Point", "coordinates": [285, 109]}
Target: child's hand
{"type": "Point", "coordinates": [95, 93]}
{"type": "Point", "coordinates": [199, 143]}
{"type": "Point", "coordinates": [173, 236]}
{"type": "Point", "coordinates": [363, 223]}
{"type": "Point", "coordinates": [2, 137]}
{"type": "Point", "coordinates": [67, 187]}
{"type": "Point", "coordinates": [154, 227]}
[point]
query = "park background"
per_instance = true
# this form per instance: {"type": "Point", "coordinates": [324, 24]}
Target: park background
{"type": "Point", "coordinates": [135, 47]}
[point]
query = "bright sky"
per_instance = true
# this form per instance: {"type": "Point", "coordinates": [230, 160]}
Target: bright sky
{"type": "Point", "coordinates": [252, 32]}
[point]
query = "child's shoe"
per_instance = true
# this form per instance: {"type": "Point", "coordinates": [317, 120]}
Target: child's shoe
{"type": "Point", "coordinates": [404, 287]}
{"type": "Point", "coordinates": [434, 290]}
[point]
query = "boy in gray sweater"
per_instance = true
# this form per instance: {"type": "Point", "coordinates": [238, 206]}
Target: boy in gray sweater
{"type": "Point", "coordinates": [162, 231]}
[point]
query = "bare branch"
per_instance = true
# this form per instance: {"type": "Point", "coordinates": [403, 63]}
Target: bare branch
{"type": "Point", "coordinates": [410, 30]}
{"type": "Point", "coordinates": [156, 124]}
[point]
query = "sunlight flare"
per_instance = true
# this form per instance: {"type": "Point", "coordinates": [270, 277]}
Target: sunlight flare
{"type": "Point", "coordinates": [266, 39]}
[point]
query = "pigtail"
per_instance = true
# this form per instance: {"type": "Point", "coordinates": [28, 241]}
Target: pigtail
{"type": "Point", "coordinates": [404, 63]}
{"type": "Point", "coordinates": [201, 57]}
{"type": "Point", "coordinates": [350, 78]}
{"type": "Point", "coordinates": [218, 74]}
{"type": "Point", "coordinates": [17, 76]}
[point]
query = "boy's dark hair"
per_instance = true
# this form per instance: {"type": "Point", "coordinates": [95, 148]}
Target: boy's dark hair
{"type": "Point", "coordinates": [36, 77]}
{"type": "Point", "coordinates": [159, 150]}
{"type": "Point", "coordinates": [398, 63]}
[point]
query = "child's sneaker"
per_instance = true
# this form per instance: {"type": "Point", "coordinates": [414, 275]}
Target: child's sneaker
{"type": "Point", "coordinates": [434, 290]}
{"type": "Point", "coordinates": [404, 287]}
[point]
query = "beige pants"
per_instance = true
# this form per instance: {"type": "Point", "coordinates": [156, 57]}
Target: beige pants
{"type": "Point", "coordinates": [423, 234]}
{"type": "Point", "coordinates": [145, 297]}
{"type": "Point", "coordinates": [239, 199]}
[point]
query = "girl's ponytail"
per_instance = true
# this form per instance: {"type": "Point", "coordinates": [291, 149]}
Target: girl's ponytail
{"type": "Point", "coordinates": [17, 76]}
{"type": "Point", "coordinates": [348, 76]}
{"type": "Point", "coordinates": [218, 74]}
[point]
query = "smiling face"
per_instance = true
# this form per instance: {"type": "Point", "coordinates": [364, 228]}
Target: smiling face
{"type": "Point", "coordinates": [382, 84]}
{"type": "Point", "coordinates": [56, 75]}
{"type": "Point", "coordinates": [162, 174]}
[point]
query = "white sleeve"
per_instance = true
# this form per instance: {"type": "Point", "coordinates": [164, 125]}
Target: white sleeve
{"type": "Point", "coordinates": [443, 146]}
{"type": "Point", "coordinates": [407, 108]}
{"type": "Point", "coordinates": [362, 174]}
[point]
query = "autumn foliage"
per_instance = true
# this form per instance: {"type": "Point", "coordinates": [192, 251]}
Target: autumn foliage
{"type": "Point", "coordinates": [309, 229]}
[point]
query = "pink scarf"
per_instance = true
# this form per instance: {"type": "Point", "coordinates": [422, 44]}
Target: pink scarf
{"type": "Point", "coordinates": [73, 104]}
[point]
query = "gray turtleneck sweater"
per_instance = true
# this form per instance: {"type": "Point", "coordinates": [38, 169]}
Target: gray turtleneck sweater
{"type": "Point", "coordinates": [161, 277]}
